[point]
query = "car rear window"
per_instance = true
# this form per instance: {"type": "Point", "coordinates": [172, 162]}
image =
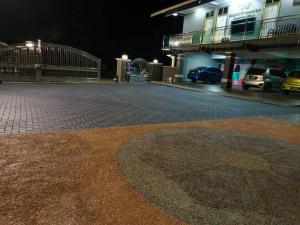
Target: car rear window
{"type": "Point", "coordinates": [295, 74]}
{"type": "Point", "coordinates": [277, 73]}
{"type": "Point", "coordinates": [256, 71]}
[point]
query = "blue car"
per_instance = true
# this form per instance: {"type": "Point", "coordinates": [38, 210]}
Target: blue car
{"type": "Point", "coordinates": [206, 74]}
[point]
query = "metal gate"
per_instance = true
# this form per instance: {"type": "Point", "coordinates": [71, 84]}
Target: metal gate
{"type": "Point", "coordinates": [37, 61]}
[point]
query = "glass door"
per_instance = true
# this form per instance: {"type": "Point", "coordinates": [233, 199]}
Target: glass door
{"type": "Point", "coordinates": [220, 31]}
{"type": "Point", "coordinates": [208, 26]}
{"type": "Point", "coordinates": [270, 16]}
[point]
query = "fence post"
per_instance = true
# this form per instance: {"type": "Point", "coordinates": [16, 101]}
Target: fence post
{"type": "Point", "coordinates": [99, 69]}
{"type": "Point", "coordinates": [38, 72]}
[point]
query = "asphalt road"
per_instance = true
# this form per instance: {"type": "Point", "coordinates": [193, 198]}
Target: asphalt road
{"type": "Point", "coordinates": [47, 107]}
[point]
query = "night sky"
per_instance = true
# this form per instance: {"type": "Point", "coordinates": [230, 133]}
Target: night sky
{"type": "Point", "coordinates": [105, 29]}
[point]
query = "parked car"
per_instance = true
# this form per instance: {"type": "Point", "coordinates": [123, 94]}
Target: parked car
{"type": "Point", "coordinates": [264, 78]}
{"type": "Point", "coordinates": [292, 83]}
{"type": "Point", "coordinates": [206, 74]}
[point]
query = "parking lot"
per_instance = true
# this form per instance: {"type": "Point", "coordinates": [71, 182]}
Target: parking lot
{"type": "Point", "coordinates": [48, 107]}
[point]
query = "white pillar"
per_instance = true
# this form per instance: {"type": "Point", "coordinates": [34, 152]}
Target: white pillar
{"type": "Point", "coordinates": [173, 61]}
{"type": "Point", "coordinates": [121, 69]}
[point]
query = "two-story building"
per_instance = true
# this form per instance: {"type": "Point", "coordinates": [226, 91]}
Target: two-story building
{"type": "Point", "coordinates": [235, 35]}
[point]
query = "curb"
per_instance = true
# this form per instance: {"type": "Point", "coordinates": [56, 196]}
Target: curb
{"type": "Point", "coordinates": [224, 94]}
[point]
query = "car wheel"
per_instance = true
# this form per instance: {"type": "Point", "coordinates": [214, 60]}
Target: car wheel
{"type": "Point", "coordinates": [194, 81]}
{"type": "Point", "coordinates": [268, 87]}
{"type": "Point", "coordinates": [246, 87]}
{"type": "Point", "coordinates": [286, 92]}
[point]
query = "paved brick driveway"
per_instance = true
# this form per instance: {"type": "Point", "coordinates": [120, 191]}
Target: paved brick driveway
{"type": "Point", "coordinates": [46, 107]}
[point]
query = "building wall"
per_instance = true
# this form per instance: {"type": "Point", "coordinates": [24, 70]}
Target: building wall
{"type": "Point", "coordinates": [246, 9]}
{"type": "Point", "coordinates": [240, 10]}
{"type": "Point", "coordinates": [287, 8]}
{"type": "Point", "coordinates": [168, 72]}
{"type": "Point", "coordinates": [194, 21]}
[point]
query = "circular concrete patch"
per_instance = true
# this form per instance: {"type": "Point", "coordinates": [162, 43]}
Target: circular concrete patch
{"type": "Point", "coordinates": [206, 176]}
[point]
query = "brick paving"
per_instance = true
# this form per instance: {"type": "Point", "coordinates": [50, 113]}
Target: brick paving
{"type": "Point", "coordinates": [26, 108]}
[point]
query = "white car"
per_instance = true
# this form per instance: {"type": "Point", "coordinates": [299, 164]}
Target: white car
{"type": "Point", "coordinates": [264, 78]}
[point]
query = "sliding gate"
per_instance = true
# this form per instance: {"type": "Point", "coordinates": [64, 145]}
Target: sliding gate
{"type": "Point", "coordinates": [36, 61]}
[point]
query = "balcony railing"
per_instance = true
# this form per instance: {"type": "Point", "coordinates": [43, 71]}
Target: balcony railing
{"type": "Point", "coordinates": [247, 29]}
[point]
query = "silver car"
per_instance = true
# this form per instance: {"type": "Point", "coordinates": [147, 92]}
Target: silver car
{"type": "Point", "coordinates": [264, 78]}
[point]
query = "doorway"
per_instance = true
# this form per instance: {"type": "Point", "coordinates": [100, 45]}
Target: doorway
{"type": "Point", "coordinates": [270, 15]}
{"type": "Point", "coordinates": [208, 26]}
{"type": "Point", "coordinates": [220, 32]}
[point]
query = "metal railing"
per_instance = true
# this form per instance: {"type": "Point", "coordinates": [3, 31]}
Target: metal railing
{"type": "Point", "coordinates": [245, 30]}
{"type": "Point", "coordinates": [47, 62]}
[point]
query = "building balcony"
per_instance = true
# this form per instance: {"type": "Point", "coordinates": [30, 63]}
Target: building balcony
{"type": "Point", "coordinates": [247, 34]}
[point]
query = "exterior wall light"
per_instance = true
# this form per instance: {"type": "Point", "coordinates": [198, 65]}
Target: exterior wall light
{"type": "Point", "coordinates": [155, 61]}
{"type": "Point", "coordinates": [125, 57]}
{"type": "Point", "coordinates": [175, 14]}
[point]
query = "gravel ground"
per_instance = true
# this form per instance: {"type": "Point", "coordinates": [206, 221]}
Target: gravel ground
{"type": "Point", "coordinates": [73, 177]}
{"type": "Point", "coordinates": [216, 177]}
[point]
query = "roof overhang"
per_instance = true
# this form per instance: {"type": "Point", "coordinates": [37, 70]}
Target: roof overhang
{"type": "Point", "coordinates": [180, 7]}
{"type": "Point", "coordinates": [2, 44]}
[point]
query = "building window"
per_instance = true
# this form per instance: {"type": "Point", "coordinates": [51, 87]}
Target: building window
{"type": "Point", "coordinates": [210, 14]}
{"type": "Point", "coordinates": [244, 25]}
{"type": "Point", "coordinates": [223, 11]}
{"type": "Point", "coordinates": [296, 2]}
{"type": "Point", "coordinates": [271, 1]}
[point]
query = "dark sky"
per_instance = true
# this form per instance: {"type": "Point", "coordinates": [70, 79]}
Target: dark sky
{"type": "Point", "coordinates": [105, 29]}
